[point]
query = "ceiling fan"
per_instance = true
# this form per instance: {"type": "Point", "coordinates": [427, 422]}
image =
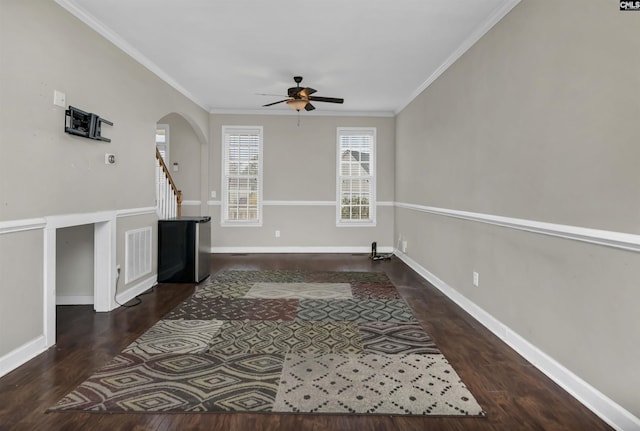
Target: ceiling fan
{"type": "Point", "coordinates": [301, 97]}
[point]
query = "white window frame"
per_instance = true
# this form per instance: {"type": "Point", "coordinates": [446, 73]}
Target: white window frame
{"type": "Point", "coordinates": [370, 131]}
{"type": "Point", "coordinates": [224, 221]}
{"type": "Point", "coordinates": [166, 144]}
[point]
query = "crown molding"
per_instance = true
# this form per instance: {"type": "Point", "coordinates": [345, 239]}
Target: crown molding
{"type": "Point", "coordinates": [474, 37]}
{"type": "Point", "coordinates": [114, 38]}
{"type": "Point", "coordinates": [291, 112]}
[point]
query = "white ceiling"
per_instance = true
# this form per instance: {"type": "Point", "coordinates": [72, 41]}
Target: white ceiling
{"type": "Point", "coordinates": [376, 54]}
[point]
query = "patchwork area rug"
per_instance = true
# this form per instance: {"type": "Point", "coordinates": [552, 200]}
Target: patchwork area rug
{"type": "Point", "coordinates": [282, 341]}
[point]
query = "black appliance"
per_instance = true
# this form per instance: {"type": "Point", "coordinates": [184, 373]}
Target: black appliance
{"type": "Point", "coordinates": [184, 249]}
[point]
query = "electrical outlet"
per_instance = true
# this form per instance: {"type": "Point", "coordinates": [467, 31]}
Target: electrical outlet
{"type": "Point", "coordinates": [213, 193]}
{"type": "Point", "coordinates": [476, 279]}
{"type": "Point", "coordinates": [404, 246]}
{"type": "Point", "coordinates": [109, 159]}
{"type": "Point", "coordinates": [277, 234]}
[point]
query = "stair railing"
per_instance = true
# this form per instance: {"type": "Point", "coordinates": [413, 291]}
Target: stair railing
{"type": "Point", "coordinates": [168, 197]}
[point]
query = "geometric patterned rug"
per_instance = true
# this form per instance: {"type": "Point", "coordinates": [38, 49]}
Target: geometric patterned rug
{"type": "Point", "coordinates": [282, 341]}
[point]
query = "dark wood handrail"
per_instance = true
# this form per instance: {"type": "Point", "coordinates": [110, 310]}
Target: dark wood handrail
{"type": "Point", "coordinates": [175, 190]}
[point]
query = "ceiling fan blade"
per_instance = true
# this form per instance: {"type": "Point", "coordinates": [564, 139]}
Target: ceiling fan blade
{"type": "Point", "coordinates": [309, 107]}
{"type": "Point", "coordinates": [294, 91]}
{"type": "Point", "coordinates": [326, 99]}
{"type": "Point", "coordinates": [306, 92]}
{"type": "Point", "coordinates": [275, 103]}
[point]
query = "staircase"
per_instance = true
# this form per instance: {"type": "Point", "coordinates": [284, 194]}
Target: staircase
{"type": "Point", "coordinates": [168, 197]}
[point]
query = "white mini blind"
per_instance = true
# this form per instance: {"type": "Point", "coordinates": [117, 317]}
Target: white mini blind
{"type": "Point", "coordinates": [356, 176]}
{"type": "Point", "coordinates": [242, 175]}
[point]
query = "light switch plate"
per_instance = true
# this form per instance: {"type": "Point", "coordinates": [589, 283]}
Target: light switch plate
{"type": "Point", "coordinates": [59, 98]}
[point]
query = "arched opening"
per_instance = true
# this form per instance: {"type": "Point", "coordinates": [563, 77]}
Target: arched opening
{"type": "Point", "coordinates": [182, 141]}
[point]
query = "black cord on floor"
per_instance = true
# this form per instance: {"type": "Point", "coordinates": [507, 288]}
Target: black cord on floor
{"type": "Point", "coordinates": [137, 297]}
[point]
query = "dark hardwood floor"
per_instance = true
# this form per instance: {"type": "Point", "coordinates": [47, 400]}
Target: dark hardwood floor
{"type": "Point", "coordinates": [514, 394]}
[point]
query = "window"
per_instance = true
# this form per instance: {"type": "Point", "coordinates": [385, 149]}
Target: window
{"type": "Point", "coordinates": [242, 176]}
{"type": "Point", "coordinates": [162, 142]}
{"type": "Point", "coordinates": [356, 176]}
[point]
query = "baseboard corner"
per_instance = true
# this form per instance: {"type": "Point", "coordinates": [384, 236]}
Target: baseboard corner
{"type": "Point", "coordinates": [22, 354]}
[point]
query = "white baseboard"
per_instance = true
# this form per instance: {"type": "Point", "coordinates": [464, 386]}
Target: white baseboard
{"type": "Point", "coordinates": [299, 249]}
{"type": "Point", "coordinates": [136, 290]}
{"type": "Point", "coordinates": [22, 354]}
{"type": "Point", "coordinates": [74, 300]}
{"type": "Point", "coordinates": [608, 410]}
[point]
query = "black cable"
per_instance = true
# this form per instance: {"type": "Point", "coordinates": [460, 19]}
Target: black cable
{"type": "Point", "coordinates": [116, 291]}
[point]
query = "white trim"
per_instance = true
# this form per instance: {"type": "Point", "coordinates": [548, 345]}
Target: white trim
{"type": "Point", "coordinates": [240, 224]}
{"type": "Point", "coordinates": [22, 354]}
{"type": "Point", "coordinates": [620, 240]}
{"type": "Point", "coordinates": [133, 212]}
{"type": "Point", "coordinates": [357, 224]}
{"type": "Point", "coordinates": [474, 37]}
{"type": "Point", "coordinates": [22, 225]}
{"type": "Point", "coordinates": [226, 129]}
{"type": "Point", "coordinates": [104, 258]}
{"type": "Point", "coordinates": [608, 410]}
{"type": "Point", "coordinates": [351, 131]}
{"type": "Point", "coordinates": [137, 289]}
{"type": "Point", "coordinates": [294, 249]}
{"type": "Point", "coordinates": [300, 203]}
{"type": "Point", "coordinates": [191, 203]}
{"type": "Point", "coordinates": [111, 36]}
{"type": "Point", "coordinates": [305, 203]}
{"type": "Point", "coordinates": [74, 300]}
{"type": "Point", "coordinates": [290, 112]}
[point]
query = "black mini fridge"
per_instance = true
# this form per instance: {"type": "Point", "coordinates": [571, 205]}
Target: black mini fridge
{"type": "Point", "coordinates": [184, 249]}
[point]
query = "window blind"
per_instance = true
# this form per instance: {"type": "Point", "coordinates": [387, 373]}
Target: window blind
{"type": "Point", "coordinates": [242, 182]}
{"type": "Point", "coordinates": [356, 176]}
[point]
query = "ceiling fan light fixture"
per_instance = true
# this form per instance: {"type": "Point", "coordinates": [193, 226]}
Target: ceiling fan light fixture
{"type": "Point", "coordinates": [297, 104]}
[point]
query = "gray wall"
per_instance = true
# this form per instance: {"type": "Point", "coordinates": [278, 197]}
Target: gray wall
{"type": "Point", "coordinates": [48, 172]}
{"type": "Point", "coordinates": [300, 166]}
{"type": "Point", "coordinates": [74, 263]}
{"type": "Point", "coordinates": [537, 121]}
{"type": "Point", "coordinates": [21, 300]}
